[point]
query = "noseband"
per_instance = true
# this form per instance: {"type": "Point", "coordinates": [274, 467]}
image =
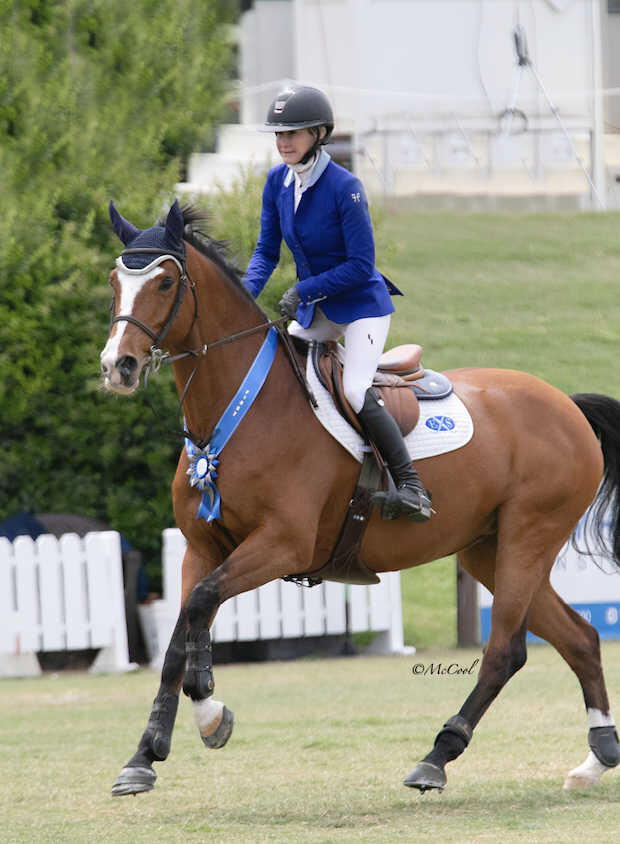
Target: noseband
{"type": "Point", "coordinates": [161, 256]}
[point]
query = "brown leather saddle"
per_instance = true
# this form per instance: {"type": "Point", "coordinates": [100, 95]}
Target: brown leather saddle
{"type": "Point", "coordinates": [401, 381]}
{"type": "Point", "coordinates": [398, 368]}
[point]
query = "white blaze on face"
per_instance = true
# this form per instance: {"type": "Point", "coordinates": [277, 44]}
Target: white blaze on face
{"type": "Point", "coordinates": [130, 285]}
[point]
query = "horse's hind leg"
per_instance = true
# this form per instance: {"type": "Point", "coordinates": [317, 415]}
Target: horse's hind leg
{"type": "Point", "coordinates": [578, 643]}
{"type": "Point", "coordinates": [517, 577]}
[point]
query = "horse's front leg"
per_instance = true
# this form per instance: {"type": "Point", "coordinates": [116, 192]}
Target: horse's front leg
{"type": "Point", "coordinates": [258, 560]}
{"type": "Point", "coordinates": [213, 719]}
{"type": "Point", "coordinates": [154, 746]}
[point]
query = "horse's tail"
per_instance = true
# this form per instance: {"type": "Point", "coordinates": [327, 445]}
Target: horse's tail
{"type": "Point", "coordinates": [603, 414]}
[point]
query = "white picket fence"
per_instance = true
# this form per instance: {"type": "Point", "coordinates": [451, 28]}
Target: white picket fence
{"type": "Point", "coordinates": [280, 610]}
{"type": "Point", "coordinates": [62, 594]}
{"type": "Point", "coordinates": [67, 594]}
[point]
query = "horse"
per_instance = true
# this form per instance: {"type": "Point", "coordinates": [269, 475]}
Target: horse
{"type": "Point", "coordinates": [275, 492]}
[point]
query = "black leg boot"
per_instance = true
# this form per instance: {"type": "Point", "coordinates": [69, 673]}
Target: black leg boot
{"type": "Point", "coordinates": [409, 499]}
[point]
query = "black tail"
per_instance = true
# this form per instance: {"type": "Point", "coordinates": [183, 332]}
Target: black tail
{"type": "Point", "coordinates": [603, 414]}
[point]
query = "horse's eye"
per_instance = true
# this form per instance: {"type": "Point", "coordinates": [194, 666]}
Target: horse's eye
{"type": "Point", "coordinates": [166, 283]}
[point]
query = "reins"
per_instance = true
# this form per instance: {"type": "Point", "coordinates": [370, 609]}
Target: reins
{"type": "Point", "coordinates": [159, 356]}
{"type": "Point", "coordinates": [164, 357]}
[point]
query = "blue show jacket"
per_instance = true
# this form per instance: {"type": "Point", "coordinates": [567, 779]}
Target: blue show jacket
{"type": "Point", "coordinates": [331, 239]}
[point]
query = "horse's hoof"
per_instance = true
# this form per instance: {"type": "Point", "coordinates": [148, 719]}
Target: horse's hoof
{"type": "Point", "coordinates": [571, 782]}
{"type": "Point", "coordinates": [587, 774]}
{"type": "Point", "coordinates": [425, 776]}
{"type": "Point", "coordinates": [134, 781]}
{"type": "Point", "coordinates": [223, 732]}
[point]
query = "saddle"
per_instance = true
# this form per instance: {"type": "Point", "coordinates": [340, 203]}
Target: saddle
{"type": "Point", "coordinates": [400, 380]}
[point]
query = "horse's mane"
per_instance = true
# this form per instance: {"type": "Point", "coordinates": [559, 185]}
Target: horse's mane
{"type": "Point", "coordinates": [195, 222]}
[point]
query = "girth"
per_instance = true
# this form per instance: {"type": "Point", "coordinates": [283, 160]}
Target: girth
{"type": "Point", "coordinates": [345, 564]}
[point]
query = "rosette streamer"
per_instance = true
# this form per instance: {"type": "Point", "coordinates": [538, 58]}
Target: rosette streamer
{"type": "Point", "coordinates": [204, 460]}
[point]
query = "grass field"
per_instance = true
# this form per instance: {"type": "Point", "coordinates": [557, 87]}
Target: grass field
{"type": "Point", "coordinates": [532, 292]}
{"type": "Point", "coordinates": [319, 752]}
{"type": "Point", "coordinates": [538, 293]}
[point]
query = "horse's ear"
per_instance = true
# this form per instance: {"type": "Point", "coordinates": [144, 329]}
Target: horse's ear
{"type": "Point", "coordinates": [123, 228]}
{"type": "Point", "coordinates": [175, 224]}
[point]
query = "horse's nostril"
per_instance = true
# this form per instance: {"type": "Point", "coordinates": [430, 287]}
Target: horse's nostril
{"type": "Point", "coordinates": [126, 365]}
{"type": "Point", "coordinates": [105, 369]}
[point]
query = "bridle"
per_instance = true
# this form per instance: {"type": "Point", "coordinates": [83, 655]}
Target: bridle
{"type": "Point", "coordinates": [160, 256]}
{"type": "Point", "coordinates": [158, 356]}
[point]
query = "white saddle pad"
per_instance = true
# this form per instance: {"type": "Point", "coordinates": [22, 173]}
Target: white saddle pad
{"type": "Point", "coordinates": [444, 424]}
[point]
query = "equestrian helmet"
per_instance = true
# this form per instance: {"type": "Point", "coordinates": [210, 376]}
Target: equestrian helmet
{"type": "Point", "coordinates": [300, 107]}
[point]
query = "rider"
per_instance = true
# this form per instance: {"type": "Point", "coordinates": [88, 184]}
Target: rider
{"type": "Point", "coordinates": [321, 211]}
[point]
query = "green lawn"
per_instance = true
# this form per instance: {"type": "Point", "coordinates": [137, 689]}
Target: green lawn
{"type": "Point", "coordinates": [319, 752]}
{"type": "Point", "coordinates": [538, 293]}
{"type": "Point", "coordinates": [429, 604]}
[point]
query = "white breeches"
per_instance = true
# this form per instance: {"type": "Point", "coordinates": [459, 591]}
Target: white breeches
{"type": "Point", "coordinates": [364, 340]}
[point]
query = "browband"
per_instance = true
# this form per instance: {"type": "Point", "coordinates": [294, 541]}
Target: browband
{"type": "Point", "coordinates": [177, 257]}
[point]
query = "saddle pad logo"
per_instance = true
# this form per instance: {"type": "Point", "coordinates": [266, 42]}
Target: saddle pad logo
{"type": "Point", "coordinates": [440, 423]}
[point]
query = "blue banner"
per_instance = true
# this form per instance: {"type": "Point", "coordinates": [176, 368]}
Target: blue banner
{"type": "Point", "coordinates": [203, 461]}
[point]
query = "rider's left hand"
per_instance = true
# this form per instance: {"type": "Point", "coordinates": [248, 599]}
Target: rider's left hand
{"type": "Point", "coordinates": [290, 302]}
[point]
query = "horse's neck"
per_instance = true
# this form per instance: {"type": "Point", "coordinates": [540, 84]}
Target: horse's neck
{"type": "Point", "coordinates": [223, 310]}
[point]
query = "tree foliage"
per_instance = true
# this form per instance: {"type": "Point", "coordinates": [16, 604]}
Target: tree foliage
{"type": "Point", "coordinates": [99, 99]}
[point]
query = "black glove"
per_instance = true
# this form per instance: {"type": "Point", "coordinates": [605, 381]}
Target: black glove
{"type": "Point", "coordinates": [289, 303]}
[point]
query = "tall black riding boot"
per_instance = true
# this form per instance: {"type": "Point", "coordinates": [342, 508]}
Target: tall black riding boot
{"type": "Point", "coordinates": [410, 499]}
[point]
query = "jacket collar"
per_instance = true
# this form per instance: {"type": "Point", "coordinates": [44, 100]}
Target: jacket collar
{"type": "Point", "coordinates": [317, 171]}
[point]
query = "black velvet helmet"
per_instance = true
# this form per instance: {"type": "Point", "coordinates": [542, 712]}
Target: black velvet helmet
{"type": "Point", "coordinates": [300, 107]}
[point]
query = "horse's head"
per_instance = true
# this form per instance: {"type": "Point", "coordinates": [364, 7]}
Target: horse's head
{"type": "Point", "coordinates": [149, 284]}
